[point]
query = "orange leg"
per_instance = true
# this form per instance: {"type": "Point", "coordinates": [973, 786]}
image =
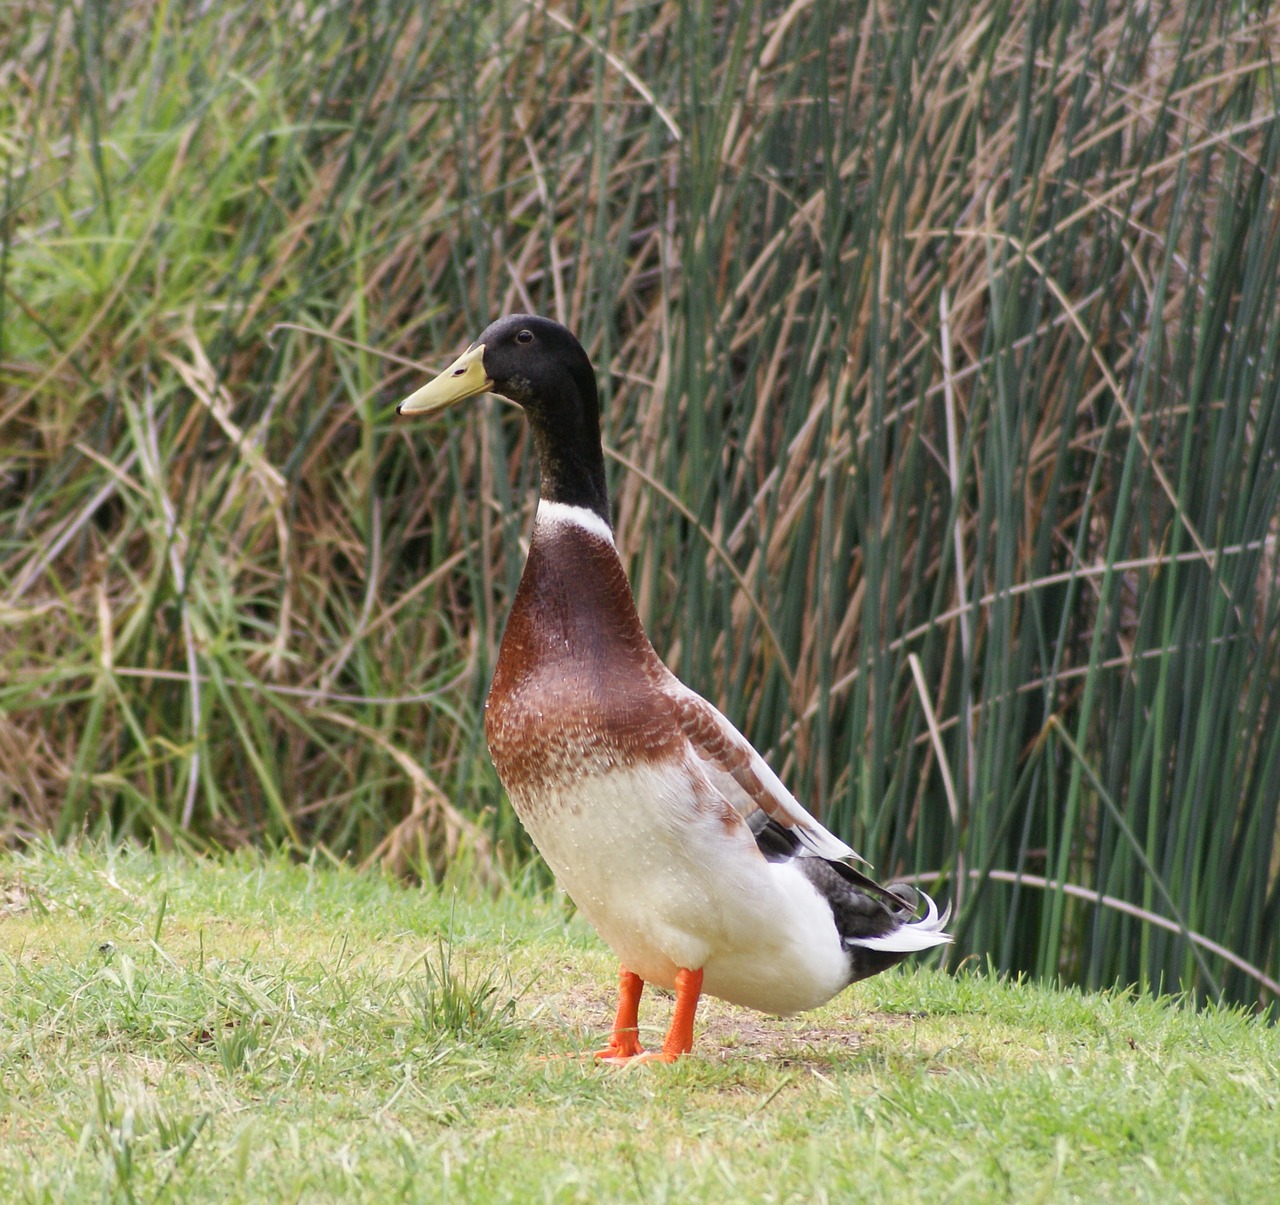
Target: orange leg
{"type": "Point", "coordinates": [624, 1042]}
{"type": "Point", "coordinates": [680, 1036]}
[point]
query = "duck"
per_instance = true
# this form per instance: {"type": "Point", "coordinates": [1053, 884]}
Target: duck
{"type": "Point", "coordinates": [667, 829]}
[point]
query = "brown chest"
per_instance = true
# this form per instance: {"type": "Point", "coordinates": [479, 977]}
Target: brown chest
{"type": "Point", "coordinates": [578, 689]}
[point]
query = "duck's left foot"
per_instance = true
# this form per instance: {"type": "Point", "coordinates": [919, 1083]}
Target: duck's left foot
{"type": "Point", "coordinates": [680, 1036]}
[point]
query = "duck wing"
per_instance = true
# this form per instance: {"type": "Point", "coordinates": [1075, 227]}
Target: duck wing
{"type": "Point", "coordinates": [745, 780]}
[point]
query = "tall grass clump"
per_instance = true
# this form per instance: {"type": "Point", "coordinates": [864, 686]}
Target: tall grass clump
{"type": "Point", "coordinates": [938, 348]}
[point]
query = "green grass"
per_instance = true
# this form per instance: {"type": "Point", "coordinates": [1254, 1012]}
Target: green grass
{"type": "Point", "coordinates": [250, 1029]}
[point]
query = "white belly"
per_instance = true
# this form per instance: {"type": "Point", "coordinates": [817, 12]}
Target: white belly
{"type": "Point", "coordinates": [668, 885]}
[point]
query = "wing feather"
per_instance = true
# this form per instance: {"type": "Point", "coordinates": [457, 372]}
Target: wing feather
{"type": "Point", "coordinates": [744, 778]}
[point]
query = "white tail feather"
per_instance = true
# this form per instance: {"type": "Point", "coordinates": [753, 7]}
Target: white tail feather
{"type": "Point", "coordinates": [921, 934]}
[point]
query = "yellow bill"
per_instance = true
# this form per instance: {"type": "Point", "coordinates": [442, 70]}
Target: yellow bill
{"type": "Point", "coordinates": [464, 378]}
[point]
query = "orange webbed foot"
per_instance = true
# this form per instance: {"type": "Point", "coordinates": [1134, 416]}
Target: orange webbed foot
{"type": "Point", "coordinates": [622, 1049]}
{"type": "Point", "coordinates": [646, 1056]}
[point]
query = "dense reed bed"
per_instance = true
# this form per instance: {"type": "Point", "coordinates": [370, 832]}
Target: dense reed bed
{"type": "Point", "coordinates": [940, 356]}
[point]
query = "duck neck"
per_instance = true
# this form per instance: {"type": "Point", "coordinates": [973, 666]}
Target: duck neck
{"type": "Point", "coordinates": [570, 457]}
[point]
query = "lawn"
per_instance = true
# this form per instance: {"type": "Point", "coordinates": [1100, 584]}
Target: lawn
{"type": "Point", "coordinates": [253, 1029]}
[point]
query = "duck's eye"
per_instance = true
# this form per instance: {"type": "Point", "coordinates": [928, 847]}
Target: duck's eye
{"type": "Point", "coordinates": [524, 336]}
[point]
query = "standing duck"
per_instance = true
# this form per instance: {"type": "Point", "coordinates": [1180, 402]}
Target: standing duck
{"type": "Point", "coordinates": [670, 833]}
